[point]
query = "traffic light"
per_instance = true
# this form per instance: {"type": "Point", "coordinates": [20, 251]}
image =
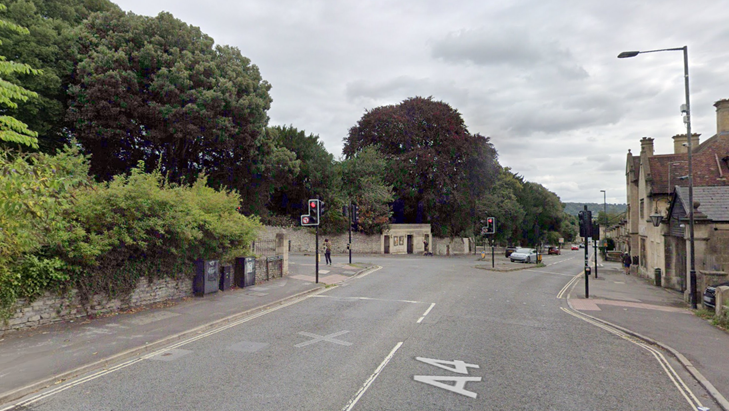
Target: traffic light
{"type": "Point", "coordinates": [595, 231]}
{"type": "Point", "coordinates": [490, 225]}
{"type": "Point", "coordinates": [314, 211]}
{"type": "Point", "coordinates": [585, 223]}
{"type": "Point", "coordinates": [312, 219]}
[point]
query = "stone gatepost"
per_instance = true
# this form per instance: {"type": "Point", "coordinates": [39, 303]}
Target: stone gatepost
{"type": "Point", "coordinates": [283, 249]}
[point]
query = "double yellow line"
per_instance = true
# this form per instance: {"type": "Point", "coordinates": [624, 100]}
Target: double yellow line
{"type": "Point", "coordinates": [569, 285]}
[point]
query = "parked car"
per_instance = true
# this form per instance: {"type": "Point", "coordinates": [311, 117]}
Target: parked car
{"type": "Point", "coordinates": [582, 245]}
{"type": "Point", "coordinates": [574, 247]}
{"type": "Point", "coordinates": [508, 251]}
{"type": "Point", "coordinates": [710, 295]}
{"type": "Point", "coordinates": [525, 255]}
{"type": "Point", "coordinates": [553, 250]}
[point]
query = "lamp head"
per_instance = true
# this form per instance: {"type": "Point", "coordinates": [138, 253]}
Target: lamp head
{"type": "Point", "coordinates": [627, 54]}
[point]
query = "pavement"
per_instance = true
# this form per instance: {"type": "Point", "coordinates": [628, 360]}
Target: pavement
{"type": "Point", "coordinates": [660, 317]}
{"type": "Point", "coordinates": [31, 360]}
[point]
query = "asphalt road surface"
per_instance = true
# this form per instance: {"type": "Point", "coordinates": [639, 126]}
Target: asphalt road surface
{"type": "Point", "coordinates": [421, 333]}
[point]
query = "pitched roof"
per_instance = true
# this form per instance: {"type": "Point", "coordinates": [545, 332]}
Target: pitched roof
{"type": "Point", "coordinates": [713, 201]}
{"type": "Point", "coordinates": [708, 167]}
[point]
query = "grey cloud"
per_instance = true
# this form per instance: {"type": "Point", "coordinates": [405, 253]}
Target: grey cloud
{"type": "Point", "coordinates": [506, 46]}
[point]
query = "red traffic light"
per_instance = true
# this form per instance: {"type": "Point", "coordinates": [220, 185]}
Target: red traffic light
{"type": "Point", "coordinates": [490, 220]}
{"type": "Point", "coordinates": [312, 204]}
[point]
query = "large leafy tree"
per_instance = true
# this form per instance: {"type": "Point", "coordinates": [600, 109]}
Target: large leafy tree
{"type": "Point", "coordinates": [437, 168]}
{"type": "Point", "coordinates": [158, 90]}
{"type": "Point", "coordinates": [316, 178]}
{"type": "Point", "coordinates": [46, 46]}
{"type": "Point", "coordinates": [502, 203]}
{"type": "Point", "coordinates": [363, 183]}
{"type": "Point", "coordinates": [13, 130]}
{"type": "Point", "coordinates": [543, 213]}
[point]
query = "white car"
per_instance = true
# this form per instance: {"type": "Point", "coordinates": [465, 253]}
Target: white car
{"type": "Point", "coordinates": [525, 255]}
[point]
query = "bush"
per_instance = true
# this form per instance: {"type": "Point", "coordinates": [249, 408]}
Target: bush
{"type": "Point", "coordinates": [60, 230]}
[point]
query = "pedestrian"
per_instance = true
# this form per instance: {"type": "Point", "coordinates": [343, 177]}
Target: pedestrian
{"type": "Point", "coordinates": [425, 246]}
{"type": "Point", "coordinates": [626, 263]}
{"type": "Point", "coordinates": [328, 251]}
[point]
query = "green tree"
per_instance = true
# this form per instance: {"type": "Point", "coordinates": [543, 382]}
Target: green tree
{"type": "Point", "coordinates": [437, 168]}
{"type": "Point", "coordinates": [501, 202]}
{"type": "Point", "coordinates": [49, 48]}
{"type": "Point", "coordinates": [316, 178]}
{"type": "Point", "coordinates": [543, 213]}
{"type": "Point", "coordinates": [13, 130]}
{"type": "Point", "coordinates": [157, 90]}
{"type": "Point", "coordinates": [363, 183]}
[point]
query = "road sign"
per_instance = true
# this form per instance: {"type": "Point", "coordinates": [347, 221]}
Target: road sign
{"type": "Point", "coordinates": [561, 240]}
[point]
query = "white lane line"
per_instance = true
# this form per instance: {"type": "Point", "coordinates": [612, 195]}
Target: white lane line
{"type": "Point", "coordinates": [370, 380]}
{"type": "Point", "coordinates": [426, 313]}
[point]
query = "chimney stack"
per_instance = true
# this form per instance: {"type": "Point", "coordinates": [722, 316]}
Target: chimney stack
{"type": "Point", "coordinates": [646, 145]}
{"type": "Point", "coordinates": [678, 144]}
{"type": "Point", "coordinates": [722, 117]}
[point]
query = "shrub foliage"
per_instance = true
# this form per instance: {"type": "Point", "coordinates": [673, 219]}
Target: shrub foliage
{"type": "Point", "coordinates": [61, 231]}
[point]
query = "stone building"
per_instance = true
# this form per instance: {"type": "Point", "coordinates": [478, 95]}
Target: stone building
{"type": "Point", "coordinates": [655, 184]}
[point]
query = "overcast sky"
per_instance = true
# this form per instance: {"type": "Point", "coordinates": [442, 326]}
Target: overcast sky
{"type": "Point", "coordinates": [540, 77]}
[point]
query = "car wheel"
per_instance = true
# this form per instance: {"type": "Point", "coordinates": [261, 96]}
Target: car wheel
{"type": "Point", "coordinates": [528, 260]}
{"type": "Point", "coordinates": [512, 260]}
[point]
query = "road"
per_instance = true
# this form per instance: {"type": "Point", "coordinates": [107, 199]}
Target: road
{"type": "Point", "coordinates": [420, 333]}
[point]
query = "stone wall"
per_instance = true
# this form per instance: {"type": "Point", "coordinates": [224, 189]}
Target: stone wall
{"type": "Point", "coordinates": [51, 308]}
{"type": "Point", "coordinates": [301, 240]}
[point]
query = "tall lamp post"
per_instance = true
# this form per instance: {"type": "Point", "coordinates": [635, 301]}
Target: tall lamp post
{"type": "Point", "coordinates": [604, 208]}
{"type": "Point", "coordinates": [687, 120]}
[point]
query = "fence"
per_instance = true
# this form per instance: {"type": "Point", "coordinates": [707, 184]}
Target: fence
{"type": "Point", "coordinates": [264, 247]}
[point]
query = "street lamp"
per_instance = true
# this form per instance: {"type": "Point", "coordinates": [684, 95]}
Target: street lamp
{"type": "Point", "coordinates": [604, 208]}
{"type": "Point", "coordinates": [687, 119]}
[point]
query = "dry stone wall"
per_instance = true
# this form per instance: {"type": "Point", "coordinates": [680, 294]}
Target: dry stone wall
{"type": "Point", "coordinates": [51, 308]}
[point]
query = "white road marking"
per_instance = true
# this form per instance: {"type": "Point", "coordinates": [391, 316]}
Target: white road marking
{"type": "Point", "coordinates": [458, 366]}
{"type": "Point", "coordinates": [459, 387]}
{"type": "Point", "coordinates": [371, 379]}
{"type": "Point", "coordinates": [328, 338]}
{"type": "Point", "coordinates": [426, 313]}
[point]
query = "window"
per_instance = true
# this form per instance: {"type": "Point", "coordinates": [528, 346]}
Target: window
{"type": "Point", "coordinates": [642, 208]}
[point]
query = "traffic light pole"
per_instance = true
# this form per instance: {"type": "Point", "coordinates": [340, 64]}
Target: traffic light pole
{"type": "Point", "coordinates": [595, 251]}
{"type": "Point", "coordinates": [350, 233]}
{"type": "Point", "coordinates": [492, 251]}
{"type": "Point", "coordinates": [316, 254]}
{"type": "Point", "coordinates": [587, 218]}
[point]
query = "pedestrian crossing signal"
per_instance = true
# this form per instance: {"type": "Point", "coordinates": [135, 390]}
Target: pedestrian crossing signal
{"type": "Point", "coordinates": [490, 227]}
{"type": "Point", "coordinates": [312, 219]}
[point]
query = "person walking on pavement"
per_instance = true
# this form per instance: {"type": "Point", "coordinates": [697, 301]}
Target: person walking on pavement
{"type": "Point", "coordinates": [626, 263]}
{"type": "Point", "coordinates": [328, 251]}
